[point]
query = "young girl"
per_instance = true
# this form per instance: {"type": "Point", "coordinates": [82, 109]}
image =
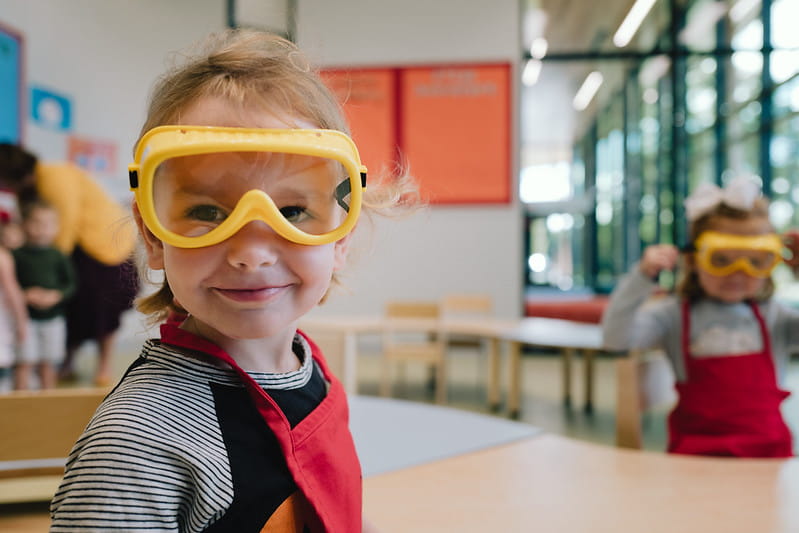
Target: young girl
{"type": "Point", "coordinates": [48, 282]}
{"type": "Point", "coordinates": [247, 188]}
{"type": "Point", "coordinates": [13, 318]}
{"type": "Point", "coordinates": [727, 339]}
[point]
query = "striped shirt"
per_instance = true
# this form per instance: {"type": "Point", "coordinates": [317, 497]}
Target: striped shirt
{"type": "Point", "coordinates": [178, 444]}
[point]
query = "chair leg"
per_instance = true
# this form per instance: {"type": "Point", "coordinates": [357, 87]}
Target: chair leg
{"type": "Point", "coordinates": [441, 382]}
{"type": "Point", "coordinates": [385, 377]}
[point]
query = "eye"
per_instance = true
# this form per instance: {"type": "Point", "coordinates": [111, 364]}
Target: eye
{"type": "Point", "coordinates": [294, 213]}
{"type": "Point", "coordinates": [206, 213]}
{"type": "Point", "coordinates": [720, 259]}
{"type": "Point", "coordinates": [762, 260]}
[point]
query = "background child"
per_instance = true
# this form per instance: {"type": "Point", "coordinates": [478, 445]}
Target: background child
{"type": "Point", "coordinates": [231, 421]}
{"type": "Point", "coordinates": [95, 232]}
{"type": "Point", "coordinates": [727, 339]}
{"type": "Point", "coordinates": [13, 318]}
{"type": "Point", "coordinates": [48, 281]}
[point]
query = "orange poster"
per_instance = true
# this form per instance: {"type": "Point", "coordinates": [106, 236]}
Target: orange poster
{"type": "Point", "coordinates": [369, 100]}
{"type": "Point", "coordinates": [455, 131]}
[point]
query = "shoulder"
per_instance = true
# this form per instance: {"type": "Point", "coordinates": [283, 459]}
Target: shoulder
{"type": "Point", "coordinates": [161, 389]}
{"type": "Point", "coordinates": [59, 178]}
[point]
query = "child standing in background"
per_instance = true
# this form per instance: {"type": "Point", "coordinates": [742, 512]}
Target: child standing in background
{"type": "Point", "coordinates": [48, 281]}
{"type": "Point", "coordinates": [247, 188]}
{"type": "Point", "coordinates": [727, 338]}
{"type": "Point", "coordinates": [13, 318]}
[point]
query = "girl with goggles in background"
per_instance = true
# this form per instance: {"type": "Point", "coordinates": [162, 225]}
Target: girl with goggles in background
{"type": "Point", "coordinates": [728, 340]}
{"type": "Point", "coordinates": [247, 188]}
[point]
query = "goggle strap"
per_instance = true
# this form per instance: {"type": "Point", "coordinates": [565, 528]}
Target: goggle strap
{"type": "Point", "coordinates": [342, 190]}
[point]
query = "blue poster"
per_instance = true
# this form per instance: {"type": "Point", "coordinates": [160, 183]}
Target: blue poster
{"type": "Point", "coordinates": [10, 84]}
{"type": "Point", "coordinates": [50, 109]}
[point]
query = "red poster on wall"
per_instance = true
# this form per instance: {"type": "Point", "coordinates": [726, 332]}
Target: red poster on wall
{"type": "Point", "coordinates": [450, 124]}
{"type": "Point", "coordinates": [455, 131]}
{"type": "Point", "coordinates": [369, 100]}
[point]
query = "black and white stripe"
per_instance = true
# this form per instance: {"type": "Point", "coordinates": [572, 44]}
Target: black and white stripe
{"type": "Point", "coordinates": [152, 458]}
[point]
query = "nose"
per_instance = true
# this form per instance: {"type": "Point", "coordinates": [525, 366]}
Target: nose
{"type": "Point", "coordinates": [255, 245]}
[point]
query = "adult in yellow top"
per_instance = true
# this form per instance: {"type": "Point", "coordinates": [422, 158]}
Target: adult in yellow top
{"type": "Point", "coordinates": [99, 236]}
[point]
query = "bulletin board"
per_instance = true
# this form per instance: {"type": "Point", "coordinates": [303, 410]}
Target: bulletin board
{"type": "Point", "coordinates": [368, 97]}
{"type": "Point", "coordinates": [450, 123]}
{"type": "Point", "coordinates": [11, 85]}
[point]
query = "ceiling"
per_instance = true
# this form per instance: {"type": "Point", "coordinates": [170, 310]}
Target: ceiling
{"type": "Point", "coordinates": [575, 30]}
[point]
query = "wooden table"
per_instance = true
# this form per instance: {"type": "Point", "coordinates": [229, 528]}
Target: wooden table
{"type": "Point", "coordinates": [550, 483]}
{"type": "Point", "coordinates": [567, 336]}
{"type": "Point", "coordinates": [390, 435]}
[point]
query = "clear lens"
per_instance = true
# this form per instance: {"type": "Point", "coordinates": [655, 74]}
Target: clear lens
{"type": "Point", "coordinates": [192, 195]}
{"type": "Point", "coordinates": [760, 260]}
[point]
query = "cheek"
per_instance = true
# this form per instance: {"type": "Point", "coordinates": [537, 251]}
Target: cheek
{"type": "Point", "coordinates": [315, 263]}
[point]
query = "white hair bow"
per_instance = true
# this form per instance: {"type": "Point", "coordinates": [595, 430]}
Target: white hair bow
{"type": "Point", "coordinates": [740, 193]}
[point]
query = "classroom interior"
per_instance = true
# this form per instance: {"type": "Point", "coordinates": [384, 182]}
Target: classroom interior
{"type": "Point", "coordinates": [602, 116]}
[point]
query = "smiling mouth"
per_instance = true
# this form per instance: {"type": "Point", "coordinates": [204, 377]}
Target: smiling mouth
{"type": "Point", "coordinates": [261, 294]}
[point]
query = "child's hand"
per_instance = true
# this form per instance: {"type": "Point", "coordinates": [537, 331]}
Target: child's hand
{"type": "Point", "coordinates": [42, 298]}
{"type": "Point", "coordinates": [791, 241]}
{"type": "Point", "coordinates": [657, 258]}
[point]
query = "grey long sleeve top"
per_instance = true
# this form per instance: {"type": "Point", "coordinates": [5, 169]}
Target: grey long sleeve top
{"type": "Point", "coordinates": [634, 320]}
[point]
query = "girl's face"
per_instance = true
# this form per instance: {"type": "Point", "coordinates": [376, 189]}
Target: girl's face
{"type": "Point", "coordinates": [41, 226]}
{"type": "Point", "coordinates": [738, 286]}
{"type": "Point", "coordinates": [255, 284]}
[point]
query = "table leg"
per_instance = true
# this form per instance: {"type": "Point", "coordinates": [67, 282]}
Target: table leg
{"type": "Point", "coordinates": [588, 362]}
{"type": "Point", "coordinates": [515, 368]}
{"type": "Point", "coordinates": [351, 363]}
{"type": "Point", "coordinates": [493, 374]}
{"type": "Point", "coordinates": [566, 355]}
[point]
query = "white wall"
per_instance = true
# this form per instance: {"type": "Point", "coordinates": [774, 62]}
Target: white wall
{"type": "Point", "coordinates": [446, 249]}
{"type": "Point", "coordinates": [105, 55]}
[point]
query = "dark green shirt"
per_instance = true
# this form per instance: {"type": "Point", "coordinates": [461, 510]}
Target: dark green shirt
{"type": "Point", "coordinates": [49, 268]}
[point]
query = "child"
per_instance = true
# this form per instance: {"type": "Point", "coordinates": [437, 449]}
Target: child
{"type": "Point", "coordinates": [231, 421]}
{"type": "Point", "coordinates": [48, 281]}
{"type": "Point", "coordinates": [13, 318]}
{"type": "Point", "coordinates": [727, 339]}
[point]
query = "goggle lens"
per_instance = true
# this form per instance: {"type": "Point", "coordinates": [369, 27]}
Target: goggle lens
{"type": "Point", "coordinates": [195, 194]}
{"type": "Point", "coordinates": [759, 261]}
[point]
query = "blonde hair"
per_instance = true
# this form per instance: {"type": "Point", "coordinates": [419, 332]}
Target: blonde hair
{"type": "Point", "coordinates": [689, 287]}
{"type": "Point", "coordinates": [257, 68]}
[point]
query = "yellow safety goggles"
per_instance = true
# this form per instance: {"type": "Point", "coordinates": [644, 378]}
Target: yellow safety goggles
{"type": "Point", "coordinates": [721, 254]}
{"type": "Point", "coordinates": [196, 186]}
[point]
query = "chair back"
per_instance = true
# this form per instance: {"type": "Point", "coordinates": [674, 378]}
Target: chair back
{"type": "Point", "coordinates": [412, 333]}
{"type": "Point", "coordinates": [467, 304]}
{"type": "Point", "coordinates": [413, 309]}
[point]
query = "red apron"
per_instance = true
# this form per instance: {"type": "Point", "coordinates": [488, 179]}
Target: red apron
{"type": "Point", "coordinates": [729, 405]}
{"type": "Point", "coordinates": [319, 451]}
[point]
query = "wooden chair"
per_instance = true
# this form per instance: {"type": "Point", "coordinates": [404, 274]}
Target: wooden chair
{"type": "Point", "coordinates": [334, 348]}
{"type": "Point", "coordinates": [644, 380]}
{"type": "Point", "coordinates": [412, 333]}
{"type": "Point", "coordinates": [469, 305]}
{"type": "Point", "coordinates": [37, 431]}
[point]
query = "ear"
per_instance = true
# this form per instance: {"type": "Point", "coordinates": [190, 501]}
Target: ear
{"type": "Point", "coordinates": [340, 249]}
{"type": "Point", "coordinates": [153, 246]}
